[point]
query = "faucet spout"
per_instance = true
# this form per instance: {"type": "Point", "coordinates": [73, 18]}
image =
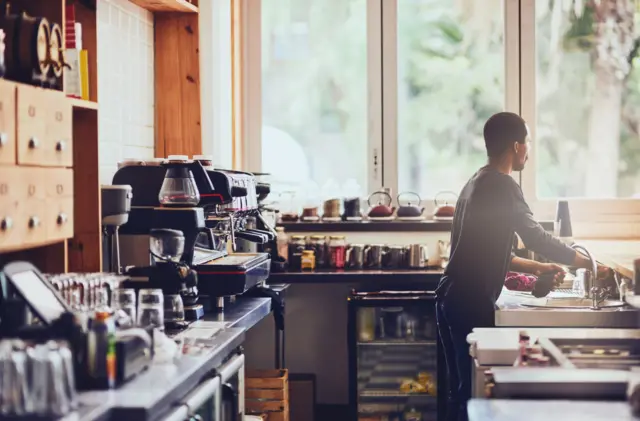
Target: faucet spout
{"type": "Point", "coordinates": [588, 288]}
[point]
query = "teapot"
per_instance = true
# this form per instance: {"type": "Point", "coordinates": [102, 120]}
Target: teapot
{"type": "Point", "coordinates": [409, 205]}
{"type": "Point", "coordinates": [444, 209]}
{"type": "Point", "coordinates": [382, 208]}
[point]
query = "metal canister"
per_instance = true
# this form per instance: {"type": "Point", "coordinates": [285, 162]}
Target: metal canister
{"type": "Point", "coordinates": [318, 244]}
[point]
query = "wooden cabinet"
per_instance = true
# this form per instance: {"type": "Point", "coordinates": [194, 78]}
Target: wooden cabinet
{"type": "Point", "coordinates": [59, 142]}
{"type": "Point", "coordinates": [36, 195]}
{"type": "Point", "coordinates": [44, 127]}
{"type": "Point", "coordinates": [59, 193]}
{"type": "Point", "coordinates": [7, 123]}
{"type": "Point", "coordinates": [31, 125]}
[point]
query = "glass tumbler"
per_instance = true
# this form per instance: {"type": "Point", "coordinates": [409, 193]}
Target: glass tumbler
{"type": "Point", "coordinates": [151, 308]}
{"type": "Point", "coordinates": [125, 299]}
{"type": "Point", "coordinates": [173, 309]}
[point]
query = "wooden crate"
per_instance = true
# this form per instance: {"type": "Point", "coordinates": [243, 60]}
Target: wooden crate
{"type": "Point", "coordinates": [267, 393]}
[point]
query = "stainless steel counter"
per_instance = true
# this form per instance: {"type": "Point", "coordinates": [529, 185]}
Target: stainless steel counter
{"type": "Point", "coordinates": [153, 392]}
{"type": "Point", "coordinates": [509, 410]}
{"type": "Point", "coordinates": [511, 313]}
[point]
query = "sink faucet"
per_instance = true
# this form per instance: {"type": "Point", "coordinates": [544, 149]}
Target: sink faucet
{"type": "Point", "coordinates": [587, 283]}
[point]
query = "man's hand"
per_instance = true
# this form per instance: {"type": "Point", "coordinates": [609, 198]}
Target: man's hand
{"type": "Point", "coordinates": [548, 268]}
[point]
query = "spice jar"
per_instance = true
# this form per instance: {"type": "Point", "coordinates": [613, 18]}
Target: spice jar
{"type": "Point", "coordinates": [318, 244]}
{"type": "Point", "coordinates": [297, 245]}
{"type": "Point", "coordinates": [308, 260]}
{"type": "Point", "coordinates": [337, 251]}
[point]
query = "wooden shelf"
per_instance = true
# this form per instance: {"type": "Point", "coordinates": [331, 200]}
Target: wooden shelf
{"type": "Point", "coordinates": [167, 5]}
{"type": "Point", "coordinates": [81, 103]}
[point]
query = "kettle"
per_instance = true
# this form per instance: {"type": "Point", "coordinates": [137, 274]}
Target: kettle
{"type": "Point", "coordinates": [444, 209]}
{"type": "Point", "coordinates": [382, 208]}
{"type": "Point", "coordinates": [409, 205]}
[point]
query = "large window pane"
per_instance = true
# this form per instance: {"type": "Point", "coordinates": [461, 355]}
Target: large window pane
{"type": "Point", "coordinates": [588, 99]}
{"type": "Point", "coordinates": [451, 79]}
{"type": "Point", "coordinates": [314, 87]}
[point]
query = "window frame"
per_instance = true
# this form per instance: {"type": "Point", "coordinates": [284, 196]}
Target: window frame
{"type": "Point", "coordinates": [382, 108]}
{"type": "Point", "coordinates": [606, 216]}
{"type": "Point", "coordinates": [251, 97]}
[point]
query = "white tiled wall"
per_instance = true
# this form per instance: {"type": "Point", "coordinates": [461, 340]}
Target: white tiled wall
{"type": "Point", "coordinates": [125, 84]}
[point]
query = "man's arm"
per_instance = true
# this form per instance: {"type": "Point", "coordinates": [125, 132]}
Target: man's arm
{"type": "Point", "coordinates": [535, 237]}
{"type": "Point", "coordinates": [518, 264]}
{"type": "Point", "coordinates": [539, 240]}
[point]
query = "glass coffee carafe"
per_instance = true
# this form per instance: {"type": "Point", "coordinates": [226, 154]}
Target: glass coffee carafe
{"type": "Point", "coordinates": [179, 187]}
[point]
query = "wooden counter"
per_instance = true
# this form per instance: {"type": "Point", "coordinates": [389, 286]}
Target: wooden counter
{"type": "Point", "coordinates": [618, 254]}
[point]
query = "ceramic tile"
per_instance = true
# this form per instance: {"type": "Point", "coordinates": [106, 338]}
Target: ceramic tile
{"type": "Point", "coordinates": [126, 84]}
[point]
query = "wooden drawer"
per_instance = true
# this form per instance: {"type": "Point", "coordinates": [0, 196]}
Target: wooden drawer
{"type": "Point", "coordinates": [11, 227]}
{"type": "Point", "coordinates": [59, 222]}
{"type": "Point", "coordinates": [31, 118]}
{"type": "Point", "coordinates": [7, 123]}
{"type": "Point", "coordinates": [59, 182]}
{"type": "Point", "coordinates": [59, 129]}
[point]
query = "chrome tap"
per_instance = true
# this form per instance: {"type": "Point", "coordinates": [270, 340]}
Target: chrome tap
{"type": "Point", "coordinates": [586, 280]}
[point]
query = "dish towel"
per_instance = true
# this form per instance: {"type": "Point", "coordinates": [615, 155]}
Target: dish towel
{"type": "Point", "coordinates": [515, 281]}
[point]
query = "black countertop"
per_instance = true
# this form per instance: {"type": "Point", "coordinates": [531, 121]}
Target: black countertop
{"type": "Point", "coordinates": [381, 278]}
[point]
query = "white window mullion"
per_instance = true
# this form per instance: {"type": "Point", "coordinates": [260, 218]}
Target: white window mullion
{"type": "Point", "coordinates": [512, 59]}
{"type": "Point", "coordinates": [374, 94]}
{"type": "Point", "coordinates": [390, 94]}
{"type": "Point", "coordinates": [528, 91]}
{"type": "Point", "coordinates": [251, 74]}
{"type": "Point", "coordinates": [216, 81]}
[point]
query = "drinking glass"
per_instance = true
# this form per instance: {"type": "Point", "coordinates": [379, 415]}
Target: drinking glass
{"type": "Point", "coordinates": [151, 308]}
{"type": "Point", "coordinates": [125, 299]}
{"type": "Point", "coordinates": [173, 308]}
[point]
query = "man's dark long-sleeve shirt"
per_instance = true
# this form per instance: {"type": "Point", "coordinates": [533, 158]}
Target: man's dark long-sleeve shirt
{"type": "Point", "coordinates": [490, 210]}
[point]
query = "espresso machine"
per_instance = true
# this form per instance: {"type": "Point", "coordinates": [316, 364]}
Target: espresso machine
{"type": "Point", "coordinates": [211, 209]}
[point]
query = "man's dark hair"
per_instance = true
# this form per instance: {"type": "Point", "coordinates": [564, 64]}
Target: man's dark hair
{"type": "Point", "coordinates": [501, 130]}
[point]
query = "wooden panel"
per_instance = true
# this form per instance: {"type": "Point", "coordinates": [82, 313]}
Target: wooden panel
{"type": "Point", "coordinates": [85, 249]}
{"type": "Point", "coordinates": [51, 258]}
{"type": "Point", "coordinates": [167, 5]}
{"type": "Point", "coordinates": [177, 85]}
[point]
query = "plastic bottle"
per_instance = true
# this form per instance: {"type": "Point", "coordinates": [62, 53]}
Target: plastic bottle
{"type": "Point", "coordinates": [101, 351]}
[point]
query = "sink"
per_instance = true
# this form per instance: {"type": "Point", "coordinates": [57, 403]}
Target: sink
{"type": "Point", "coordinates": [575, 302]}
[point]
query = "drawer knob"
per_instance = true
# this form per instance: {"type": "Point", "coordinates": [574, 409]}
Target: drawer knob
{"type": "Point", "coordinates": [62, 218]}
{"type": "Point", "coordinates": [6, 223]}
{"type": "Point", "coordinates": [34, 222]}
{"type": "Point", "coordinates": [61, 145]}
{"type": "Point", "coordinates": [3, 139]}
{"type": "Point", "coordinates": [33, 143]}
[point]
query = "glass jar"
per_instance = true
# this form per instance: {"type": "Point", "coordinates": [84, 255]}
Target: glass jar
{"type": "Point", "coordinates": [297, 244]}
{"type": "Point", "coordinates": [308, 260]}
{"type": "Point", "coordinates": [312, 203]}
{"type": "Point", "coordinates": [318, 244]}
{"type": "Point", "coordinates": [179, 187]}
{"type": "Point", "coordinates": [337, 251]}
{"type": "Point", "coordinates": [282, 243]}
{"type": "Point", "coordinates": [289, 206]}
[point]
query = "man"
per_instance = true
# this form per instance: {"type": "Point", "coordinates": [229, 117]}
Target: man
{"type": "Point", "coordinates": [490, 211]}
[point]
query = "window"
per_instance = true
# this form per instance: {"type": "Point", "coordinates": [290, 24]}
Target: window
{"type": "Point", "coordinates": [451, 77]}
{"type": "Point", "coordinates": [314, 91]}
{"type": "Point", "coordinates": [395, 93]}
{"type": "Point", "coordinates": [587, 99]}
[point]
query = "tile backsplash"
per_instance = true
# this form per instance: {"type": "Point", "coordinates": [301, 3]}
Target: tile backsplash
{"type": "Point", "coordinates": [125, 84]}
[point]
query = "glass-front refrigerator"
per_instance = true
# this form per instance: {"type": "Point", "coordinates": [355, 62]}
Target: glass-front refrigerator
{"type": "Point", "coordinates": [393, 356]}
